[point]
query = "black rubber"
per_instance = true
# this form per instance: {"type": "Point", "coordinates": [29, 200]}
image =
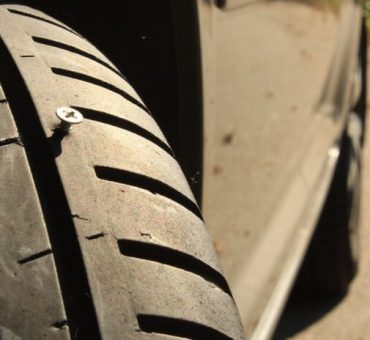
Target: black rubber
{"type": "Point", "coordinates": [101, 235]}
{"type": "Point", "coordinates": [330, 263]}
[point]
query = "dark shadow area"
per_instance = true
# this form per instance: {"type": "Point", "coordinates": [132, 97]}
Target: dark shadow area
{"type": "Point", "coordinates": [301, 312]}
{"type": "Point", "coordinates": [55, 141]}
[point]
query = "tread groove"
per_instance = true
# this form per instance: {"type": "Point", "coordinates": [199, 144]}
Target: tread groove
{"type": "Point", "coordinates": [35, 256]}
{"type": "Point", "coordinates": [95, 236]}
{"type": "Point", "coordinates": [178, 327]}
{"type": "Point", "coordinates": [33, 16]}
{"type": "Point", "coordinates": [122, 123]}
{"type": "Point", "coordinates": [100, 83]}
{"type": "Point", "coordinates": [13, 140]}
{"type": "Point", "coordinates": [69, 264]}
{"type": "Point", "coordinates": [172, 257]}
{"type": "Point", "coordinates": [60, 324]}
{"type": "Point", "coordinates": [76, 50]}
{"type": "Point", "coordinates": [147, 183]}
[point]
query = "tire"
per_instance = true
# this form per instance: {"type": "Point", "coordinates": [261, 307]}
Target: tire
{"type": "Point", "coordinates": [101, 237]}
{"type": "Point", "coordinates": [332, 259]}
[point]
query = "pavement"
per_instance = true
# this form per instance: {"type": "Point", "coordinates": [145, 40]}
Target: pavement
{"type": "Point", "coordinates": [348, 317]}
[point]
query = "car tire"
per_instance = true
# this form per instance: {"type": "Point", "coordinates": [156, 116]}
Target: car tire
{"type": "Point", "coordinates": [332, 259]}
{"type": "Point", "coordinates": [101, 237]}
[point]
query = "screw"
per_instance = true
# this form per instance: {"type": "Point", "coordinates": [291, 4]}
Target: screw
{"type": "Point", "coordinates": [68, 117]}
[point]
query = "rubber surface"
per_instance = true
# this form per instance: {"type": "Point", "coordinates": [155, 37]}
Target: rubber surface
{"type": "Point", "coordinates": [103, 238]}
{"type": "Point", "coordinates": [331, 263]}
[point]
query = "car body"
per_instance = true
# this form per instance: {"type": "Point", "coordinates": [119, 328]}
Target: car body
{"type": "Point", "coordinates": [278, 81]}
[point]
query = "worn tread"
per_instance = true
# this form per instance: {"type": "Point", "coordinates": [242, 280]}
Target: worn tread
{"type": "Point", "coordinates": [118, 186]}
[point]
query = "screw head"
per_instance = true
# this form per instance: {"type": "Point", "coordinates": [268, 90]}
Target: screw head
{"type": "Point", "coordinates": [68, 117]}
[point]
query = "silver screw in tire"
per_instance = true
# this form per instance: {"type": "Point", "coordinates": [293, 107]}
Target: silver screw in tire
{"type": "Point", "coordinates": [68, 117]}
